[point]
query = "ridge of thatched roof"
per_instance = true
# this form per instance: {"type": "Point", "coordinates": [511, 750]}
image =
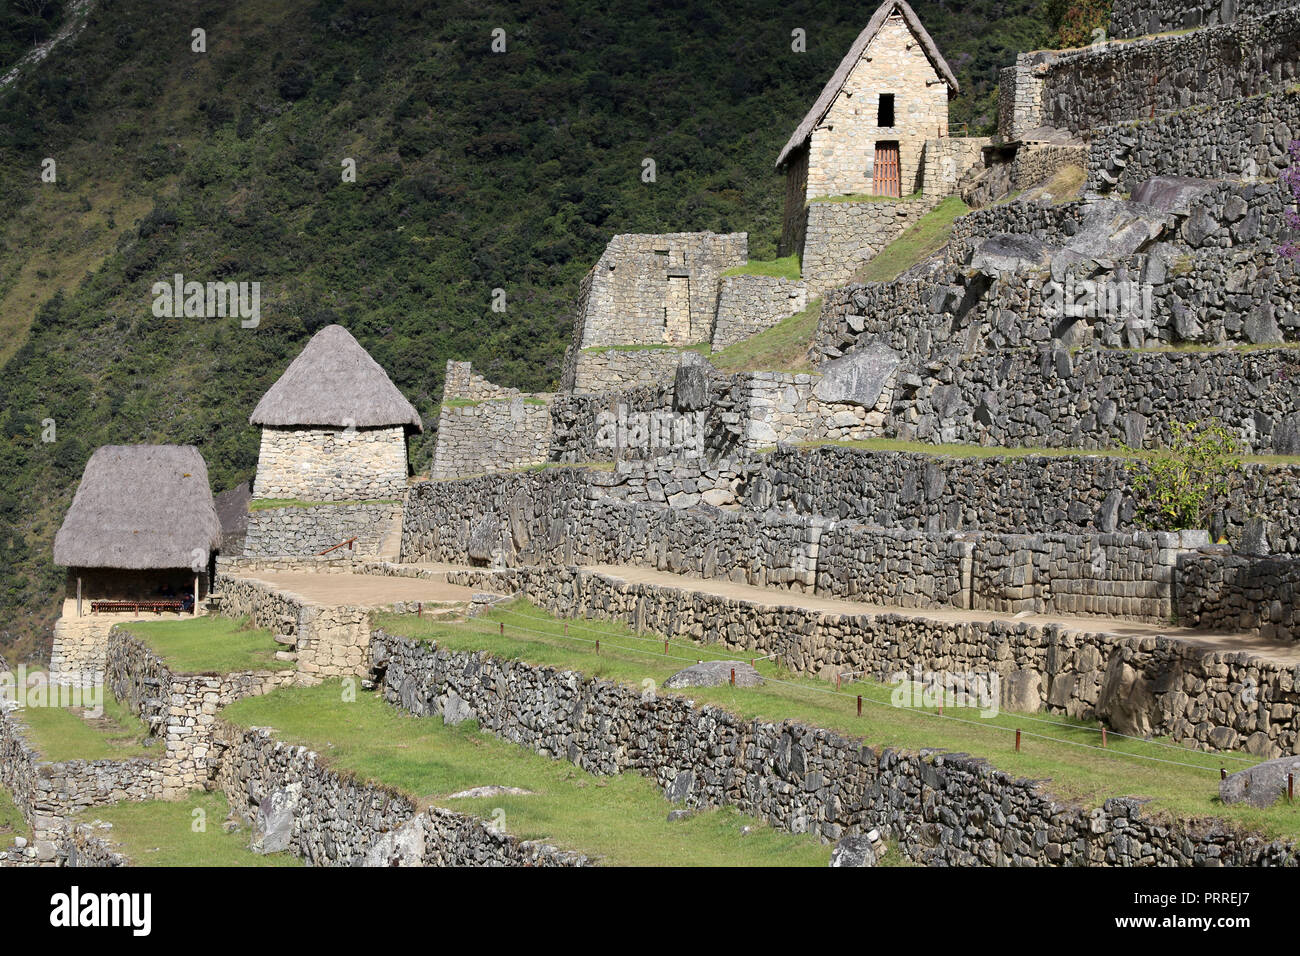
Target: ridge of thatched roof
{"type": "Point", "coordinates": [140, 507]}
{"type": "Point", "coordinates": [841, 74]}
{"type": "Point", "coordinates": [335, 383]}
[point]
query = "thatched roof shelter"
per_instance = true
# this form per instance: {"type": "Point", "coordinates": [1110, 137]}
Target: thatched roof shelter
{"type": "Point", "coordinates": [335, 383]}
{"type": "Point", "coordinates": [140, 507]}
{"type": "Point", "coordinates": [841, 74]}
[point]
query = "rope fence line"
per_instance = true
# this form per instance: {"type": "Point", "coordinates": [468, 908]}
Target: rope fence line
{"type": "Point", "coordinates": [852, 677]}
{"type": "Point", "coordinates": [869, 699]}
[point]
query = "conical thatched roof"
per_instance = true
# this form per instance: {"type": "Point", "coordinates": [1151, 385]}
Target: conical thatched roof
{"type": "Point", "coordinates": [335, 383]}
{"type": "Point", "coordinates": [140, 507]}
{"type": "Point", "coordinates": [841, 74]}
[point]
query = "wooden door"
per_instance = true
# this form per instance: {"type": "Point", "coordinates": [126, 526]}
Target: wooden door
{"type": "Point", "coordinates": [886, 181]}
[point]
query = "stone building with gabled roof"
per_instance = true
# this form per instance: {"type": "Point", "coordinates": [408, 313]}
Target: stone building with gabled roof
{"type": "Point", "coordinates": [867, 130]}
{"type": "Point", "coordinates": [334, 426]}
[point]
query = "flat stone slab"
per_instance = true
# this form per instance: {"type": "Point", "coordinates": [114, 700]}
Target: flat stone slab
{"type": "Point", "coordinates": [715, 674]}
{"type": "Point", "coordinates": [492, 790]}
{"type": "Point", "coordinates": [1261, 785]}
{"type": "Point", "coordinates": [858, 377]}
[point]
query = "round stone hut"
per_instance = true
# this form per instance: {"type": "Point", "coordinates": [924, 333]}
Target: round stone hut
{"type": "Point", "coordinates": [334, 427]}
{"type": "Point", "coordinates": [141, 532]}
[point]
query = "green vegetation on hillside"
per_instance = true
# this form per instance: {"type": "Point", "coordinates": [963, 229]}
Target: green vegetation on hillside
{"type": "Point", "coordinates": [619, 820]}
{"type": "Point", "coordinates": [209, 645]}
{"type": "Point", "coordinates": [474, 171]}
{"type": "Point", "coordinates": [782, 348]}
{"type": "Point", "coordinates": [1187, 787]}
{"type": "Point", "coordinates": [181, 833]}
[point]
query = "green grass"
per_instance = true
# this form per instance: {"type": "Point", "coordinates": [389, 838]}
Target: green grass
{"type": "Point", "coordinates": [1076, 773]}
{"type": "Point", "coordinates": [473, 403]}
{"type": "Point", "coordinates": [787, 267]}
{"type": "Point", "coordinates": [210, 645]}
{"type": "Point", "coordinates": [866, 197]}
{"type": "Point", "coordinates": [1005, 451]}
{"type": "Point", "coordinates": [162, 833]}
{"type": "Point", "coordinates": [923, 238]}
{"type": "Point", "coordinates": [262, 504]}
{"type": "Point", "coordinates": [65, 733]}
{"type": "Point", "coordinates": [12, 822]}
{"type": "Point", "coordinates": [783, 347]}
{"type": "Point", "coordinates": [619, 820]}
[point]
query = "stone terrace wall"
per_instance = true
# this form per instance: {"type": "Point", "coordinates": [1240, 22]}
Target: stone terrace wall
{"type": "Point", "coordinates": [1241, 139]}
{"type": "Point", "coordinates": [1097, 398]}
{"type": "Point", "coordinates": [576, 420]}
{"type": "Point", "coordinates": [1135, 18]}
{"type": "Point", "coordinates": [748, 304]}
{"type": "Point", "coordinates": [941, 809]}
{"type": "Point", "coordinates": [1004, 495]}
{"type": "Point", "coordinates": [492, 436]}
{"type": "Point", "coordinates": [461, 381]}
{"type": "Point", "coordinates": [1085, 89]}
{"type": "Point", "coordinates": [1237, 593]}
{"type": "Point", "coordinates": [842, 237]}
{"type": "Point", "coordinates": [309, 531]}
{"type": "Point", "coordinates": [180, 709]}
{"type": "Point", "coordinates": [1142, 686]}
{"type": "Point", "coordinates": [339, 820]}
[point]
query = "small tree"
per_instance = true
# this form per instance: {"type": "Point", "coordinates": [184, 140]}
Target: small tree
{"type": "Point", "coordinates": [1181, 485]}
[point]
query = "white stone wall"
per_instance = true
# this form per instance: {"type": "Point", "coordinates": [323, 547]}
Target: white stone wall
{"type": "Point", "coordinates": [332, 464]}
{"type": "Point", "coordinates": [842, 237]}
{"type": "Point", "coordinates": [781, 407]}
{"type": "Point", "coordinates": [608, 369]}
{"type": "Point", "coordinates": [748, 304]}
{"type": "Point", "coordinates": [947, 160]}
{"type": "Point", "coordinates": [492, 436]}
{"type": "Point", "coordinates": [843, 146]}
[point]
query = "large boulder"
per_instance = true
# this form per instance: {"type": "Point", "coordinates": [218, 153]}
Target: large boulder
{"type": "Point", "coordinates": [273, 828]}
{"type": "Point", "coordinates": [484, 537]}
{"type": "Point", "coordinates": [1171, 193]}
{"type": "Point", "coordinates": [1261, 785]}
{"type": "Point", "coordinates": [1125, 700]}
{"type": "Point", "coordinates": [858, 377]}
{"type": "Point", "coordinates": [854, 850]}
{"type": "Point", "coordinates": [1008, 253]}
{"type": "Point", "coordinates": [715, 674]}
{"type": "Point", "coordinates": [691, 383]}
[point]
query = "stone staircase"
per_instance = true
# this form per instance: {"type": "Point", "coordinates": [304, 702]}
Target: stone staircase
{"type": "Point", "coordinates": [390, 540]}
{"type": "Point", "coordinates": [1116, 163]}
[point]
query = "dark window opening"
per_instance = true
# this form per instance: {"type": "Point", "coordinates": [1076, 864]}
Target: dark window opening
{"type": "Point", "coordinates": [885, 112]}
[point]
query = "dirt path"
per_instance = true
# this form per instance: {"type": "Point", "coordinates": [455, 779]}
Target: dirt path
{"type": "Point", "coordinates": [1210, 640]}
{"type": "Point", "coordinates": [362, 590]}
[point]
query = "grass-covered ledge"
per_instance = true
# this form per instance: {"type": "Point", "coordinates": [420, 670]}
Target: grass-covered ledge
{"type": "Point", "coordinates": [209, 645]}
{"type": "Point", "coordinates": [60, 734]}
{"type": "Point", "coordinates": [620, 820]}
{"type": "Point", "coordinates": [1186, 788]}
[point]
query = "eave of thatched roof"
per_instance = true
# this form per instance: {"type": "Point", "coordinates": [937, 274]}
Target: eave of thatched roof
{"type": "Point", "coordinates": [335, 383]}
{"type": "Point", "coordinates": [140, 507]}
{"type": "Point", "coordinates": [841, 74]}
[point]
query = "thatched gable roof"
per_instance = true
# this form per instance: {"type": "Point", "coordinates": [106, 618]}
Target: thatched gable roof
{"type": "Point", "coordinates": [140, 507]}
{"type": "Point", "coordinates": [335, 383]}
{"type": "Point", "coordinates": [841, 74]}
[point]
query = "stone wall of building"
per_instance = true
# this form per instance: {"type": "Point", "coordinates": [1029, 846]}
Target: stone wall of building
{"type": "Point", "coordinates": [1119, 82]}
{"type": "Point", "coordinates": [1241, 139]}
{"type": "Point", "coordinates": [939, 808]}
{"type": "Point", "coordinates": [180, 709]}
{"type": "Point", "coordinates": [461, 381]}
{"type": "Point", "coordinates": [1139, 685]}
{"type": "Point", "coordinates": [604, 370]}
{"type": "Point", "coordinates": [319, 464]}
{"type": "Point", "coordinates": [1020, 96]}
{"type": "Point", "coordinates": [77, 656]}
{"type": "Point", "coordinates": [948, 159]}
{"type": "Point", "coordinates": [1053, 398]}
{"type": "Point", "coordinates": [842, 237]}
{"type": "Point", "coordinates": [491, 436]}
{"type": "Point", "coordinates": [310, 530]}
{"type": "Point", "coordinates": [1135, 18]}
{"type": "Point", "coordinates": [655, 289]}
{"type": "Point", "coordinates": [842, 147]}
{"type": "Point", "coordinates": [748, 304]}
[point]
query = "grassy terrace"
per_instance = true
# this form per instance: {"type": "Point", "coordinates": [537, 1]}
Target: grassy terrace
{"type": "Point", "coordinates": [161, 833]}
{"type": "Point", "coordinates": [618, 820]}
{"type": "Point", "coordinates": [787, 267]}
{"type": "Point", "coordinates": [921, 240]}
{"type": "Point", "coordinates": [1180, 781]}
{"type": "Point", "coordinates": [783, 347]}
{"type": "Point", "coordinates": [210, 645]}
{"type": "Point", "coordinates": [72, 733]}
